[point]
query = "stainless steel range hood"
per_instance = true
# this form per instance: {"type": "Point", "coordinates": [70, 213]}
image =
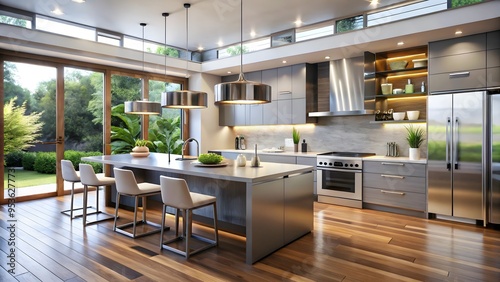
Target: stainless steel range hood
{"type": "Point", "coordinates": [352, 87]}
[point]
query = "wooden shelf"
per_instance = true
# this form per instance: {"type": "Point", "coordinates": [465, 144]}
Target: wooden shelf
{"type": "Point", "coordinates": [401, 71]}
{"type": "Point", "coordinates": [403, 95]}
{"type": "Point", "coordinates": [399, 121]}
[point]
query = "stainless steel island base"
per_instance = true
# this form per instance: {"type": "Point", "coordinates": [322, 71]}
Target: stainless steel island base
{"type": "Point", "coordinates": [271, 205]}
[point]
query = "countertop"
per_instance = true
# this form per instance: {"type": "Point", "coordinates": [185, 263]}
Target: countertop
{"type": "Point", "coordinates": [285, 153]}
{"type": "Point", "coordinates": [159, 162]}
{"type": "Point", "coordinates": [395, 159]}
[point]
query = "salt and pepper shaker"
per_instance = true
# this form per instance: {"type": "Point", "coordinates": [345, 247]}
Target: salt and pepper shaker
{"type": "Point", "coordinates": [392, 149]}
{"type": "Point", "coordinates": [255, 159]}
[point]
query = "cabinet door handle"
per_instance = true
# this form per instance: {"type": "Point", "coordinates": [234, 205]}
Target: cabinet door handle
{"type": "Point", "coordinates": [398, 164]}
{"type": "Point", "coordinates": [392, 192]}
{"type": "Point", "coordinates": [459, 74]}
{"type": "Point", "coordinates": [392, 176]}
{"type": "Point", "coordinates": [283, 92]}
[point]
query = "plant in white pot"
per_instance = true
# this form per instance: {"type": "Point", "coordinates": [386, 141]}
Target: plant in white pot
{"type": "Point", "coordinates": [296, 139]}
{"type": "Point", "coordinates": [415, 138]}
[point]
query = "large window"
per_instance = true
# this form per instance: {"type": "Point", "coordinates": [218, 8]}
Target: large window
{"type": "Point", "coordinates": [64, 28]}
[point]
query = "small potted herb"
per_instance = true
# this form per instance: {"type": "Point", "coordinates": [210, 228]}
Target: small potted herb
{"type": "Point", "coordinates": [296, 139]}
{"type": "Point", "coordinates": [415, 138]}
{"type": "Point", "coordinates": [141, 146]}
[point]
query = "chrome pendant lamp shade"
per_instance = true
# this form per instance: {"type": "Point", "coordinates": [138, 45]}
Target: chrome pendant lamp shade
{"type": "Point", "coordinates": [183, 99]}
{"type": "Point", "coordinates": [242, 91]}
{"type": "Point", "coordinates": [143, 107]}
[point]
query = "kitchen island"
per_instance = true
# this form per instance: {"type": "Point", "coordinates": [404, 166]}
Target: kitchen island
{"type": "Point", "coordinates": [272, 205]}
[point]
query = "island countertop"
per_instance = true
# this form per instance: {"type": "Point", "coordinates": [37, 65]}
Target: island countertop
{"type": "Point", "coordinates": [159, 162]}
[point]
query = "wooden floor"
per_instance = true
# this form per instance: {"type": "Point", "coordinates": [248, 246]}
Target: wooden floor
{"type": "Point", "coordinates": [346, 245]}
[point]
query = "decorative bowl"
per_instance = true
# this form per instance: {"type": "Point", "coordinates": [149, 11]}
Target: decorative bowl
{"type": "Point", "coordinates": [398, 115]}
{"type": "Point", "coordinates": [413, 115]}
{"type": "Point", "coordinates": [397, 91]}
{"type": "Point", "coordinates": [398, 65]}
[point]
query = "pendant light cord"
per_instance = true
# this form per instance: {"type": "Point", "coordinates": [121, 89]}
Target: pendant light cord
{"type": "Point", "coordinates": [241, 38]}
{"type": "Point", "coordinates": [165, 15]}
{"type": "Point", "coordinates": [187, 6]}
{"type": "Point", "coordinates": [143, 51]}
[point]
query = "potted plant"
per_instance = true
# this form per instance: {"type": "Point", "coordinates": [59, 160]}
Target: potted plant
{"type": "Point", "coordinates": [415, 138]}
{"type": "Point", "coordinates": [141, 147]}
{"type": "Point", "coordinates": [296, 139]}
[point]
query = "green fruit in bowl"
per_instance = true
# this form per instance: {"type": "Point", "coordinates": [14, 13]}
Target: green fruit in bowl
{"type": "Point", "coordinates": [210, 158]}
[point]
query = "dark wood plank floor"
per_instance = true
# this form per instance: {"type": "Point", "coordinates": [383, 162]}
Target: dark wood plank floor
{"type": "Point", "coordinates": [346, 245]}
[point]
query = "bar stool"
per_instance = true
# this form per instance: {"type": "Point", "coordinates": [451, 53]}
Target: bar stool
{"type": "Point", "coordinates": [69, 174]}
{"type": "Point", "coordinates": [126, 185]}
{"type": "Point", "coordinates": [175, 193]}
{"type": "Point", "coordinates": [89, 178]}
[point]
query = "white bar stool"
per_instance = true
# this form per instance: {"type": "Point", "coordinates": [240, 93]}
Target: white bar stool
{"type": "Point", "coordinates": [127, 185]}
{"type": "Point", "coordinates": [175, 193]}
{"type": "Point", "coordinates": [69, 174]}
{"type": "Point", "coordinates": [89, 178]}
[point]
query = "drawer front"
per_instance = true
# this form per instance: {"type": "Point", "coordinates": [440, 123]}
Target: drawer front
{"type": "Point", "coordinates": [394, 182]}
{"type": "Point", "coordinates": [493, 77]}
{"type": "Point", "coordinates": [493, 58]}
{"type": "Point", "coordinates": [455, 81]}
{"type": "Point", "coordinates": [398, 199]}
{"type": "Point", "coordinates": [395, 168]}
{"type": "Point", "coordinates": [493, 40]}
{"type": "Point", "coordinates": [458, 63]}
{"type": "Point", "coordinates": [456, 46]}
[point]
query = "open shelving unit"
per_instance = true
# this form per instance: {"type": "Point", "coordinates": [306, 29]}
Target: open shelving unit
{"type": "Point", "coordinates": [416, 101]}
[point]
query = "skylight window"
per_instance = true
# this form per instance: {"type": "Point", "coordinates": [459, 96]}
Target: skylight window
{"type": "Point", "coordinates": [405, 12]}
{"type": "Point", "coordinates": [314, 31]}
{"type": "Point", "coordinates": [15, 19]}
{"type": "Point", "coordinates": [65, 28]}
{"type": "Point", "coordinates": [251, 46]}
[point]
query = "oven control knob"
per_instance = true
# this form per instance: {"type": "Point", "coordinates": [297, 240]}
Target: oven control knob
{"type": "Point", "coordinates": [351, 165]}
{"type": "Point", "coordinates": [320, 163]}
{"type": "Point", "coordinates": [330, 164]}
{"type": "Point", "coordinates": [346, 165]}
{"type": "Point", "coordinates": [356, 165]}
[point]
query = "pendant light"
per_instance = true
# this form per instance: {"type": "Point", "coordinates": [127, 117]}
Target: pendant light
{"type": "Point", "coordinates": [143, 107]}
{"type": "Point", "coordinates": [184, 99]}
{"type": "Point", "coordinates": [242, 91]}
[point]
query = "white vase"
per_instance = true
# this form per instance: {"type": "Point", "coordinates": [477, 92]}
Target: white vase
{"type": "Point", "coordinates": [414, 154]}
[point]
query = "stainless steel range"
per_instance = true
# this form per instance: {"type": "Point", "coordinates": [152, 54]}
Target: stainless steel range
{"type": "Point", "coordinates": [340, 178]}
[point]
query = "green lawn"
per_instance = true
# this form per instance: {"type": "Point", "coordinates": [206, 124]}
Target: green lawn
{"type": "Point", "coordinates": [27, 178]}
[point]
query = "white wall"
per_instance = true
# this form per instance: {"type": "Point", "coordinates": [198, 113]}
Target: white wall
{"type": "Point", "coordinates": [204, 123]}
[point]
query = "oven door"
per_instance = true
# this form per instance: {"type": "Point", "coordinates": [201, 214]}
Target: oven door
{"type": "Point", "coordinates": [340, 183]}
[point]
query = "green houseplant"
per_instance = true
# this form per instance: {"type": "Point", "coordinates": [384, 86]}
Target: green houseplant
{"type": "Point", "coordinates": [296, 139]}
{"type": "Point", "coordinates": [415, 138]}
{"type": "Point", "coordinates": [141, 148]}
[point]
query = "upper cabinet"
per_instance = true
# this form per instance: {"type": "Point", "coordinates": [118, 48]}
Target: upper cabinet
{"type": "Point", "coordinates": [458, 63]}
{"type": "Point", "coordinates": [401, 74]}
{"type": "Point", "coordinates": [493, 59]}
{"type": "Point", "coordinates": [294, 92]}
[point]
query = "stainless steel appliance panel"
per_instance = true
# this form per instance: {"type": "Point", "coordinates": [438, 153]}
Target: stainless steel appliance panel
{"type": "Point", "coordinates": [494, 189]}
{"type": "Point", "coordinates": [340, 183]}
{"type": "Point", "coordinates": [467, 162]}
{"type": "Point", "coordinates": [455, 156]}
{"type": "Point", "coordinates": [439, 175]}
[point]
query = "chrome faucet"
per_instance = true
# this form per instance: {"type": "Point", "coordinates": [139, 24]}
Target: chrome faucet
{"type": "Point", "coordinates": [184, 147]}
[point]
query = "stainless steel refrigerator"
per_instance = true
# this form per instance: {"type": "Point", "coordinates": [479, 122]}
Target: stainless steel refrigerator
{"type": "Point", "coordinates": [494, 161]}
{"type": "Point", "coordinates": [456, 168]}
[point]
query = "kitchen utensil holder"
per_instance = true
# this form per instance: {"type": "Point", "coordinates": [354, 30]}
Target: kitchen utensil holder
{"type": "Point", "coordinates": [392, 149]}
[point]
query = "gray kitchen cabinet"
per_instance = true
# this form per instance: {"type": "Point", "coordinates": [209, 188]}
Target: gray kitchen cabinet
{"type": "Point", "coordinates": [285, 111]}
{"type": "Point", "coordinates": [270, 113]}
{"type": "Point", "coordinates": [299, 113]}
{"type": "Point", "coordinates": [311, 162]}
{"type": "Point", "coordinates": [285, 83]}
{"type": "Point", "coordinates": [270, 77]}
{"type": "Point", "coordinates": [398, 185]}
{"type": "Point", "coordinates": [254, 112]}
{"type": "Point", "coordinates": [226, 115]}
{"type": "Point", "coordinates": [299, 73]}
{"type": "Point", "coordinates": [458, 63]}
{"type": "Point", "coordinates": [278, 159]}
{"type": "Point", "coordinates": [240, 114]}
{"type": "Point", "coordinates": [493, 59]}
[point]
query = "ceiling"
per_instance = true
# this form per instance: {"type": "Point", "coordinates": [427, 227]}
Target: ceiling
{"type": "Point", "coordinates": [210, 21]}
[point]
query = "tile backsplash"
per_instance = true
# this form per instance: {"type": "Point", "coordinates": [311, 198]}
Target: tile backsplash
{"type": "Point", "coordinates": [349, 133]}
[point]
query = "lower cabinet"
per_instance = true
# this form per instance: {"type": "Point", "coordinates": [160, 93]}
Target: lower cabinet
{"type": "Point", "coordinates": [398, 185]}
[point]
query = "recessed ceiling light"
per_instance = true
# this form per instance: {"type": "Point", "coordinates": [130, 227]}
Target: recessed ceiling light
{"type": "Point", "coordinates": [401, 43]}
{"type": "Point", "coordinates": [327, 58]}
{"type": "Point", "coordinates": [79, 1]}
{"type": "Point", "coordinates": [374, 2]}
{"type": "Point", "coordinates": [298, 22]}
{"type": "Point", "coordinates": [57, 11]}
{"type": "Point", "coordinates": [284, 61]}
{"type": "Point", "coordinates": [252, 33]}
{"type": "Point", "coordinates": [200, 48]}
{"type": "Point", "coordinates": [220, 43]}
{"type": "Point", "coordinates": [229, 72]}
{"type": "Point", "coordinates": [458, 32]}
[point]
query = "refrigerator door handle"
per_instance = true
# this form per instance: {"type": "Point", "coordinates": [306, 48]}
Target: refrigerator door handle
{"type": "Point", "coordinates": [448, 162]}
{"type": "Point", "coordinates": [455, 144]}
